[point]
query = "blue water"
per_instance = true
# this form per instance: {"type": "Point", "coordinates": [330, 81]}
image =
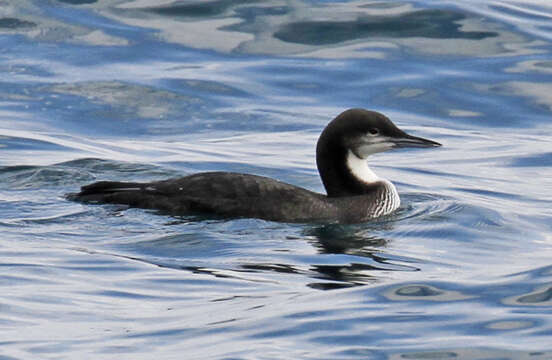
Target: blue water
{"type": "Point", "coordinates": [144, 90]}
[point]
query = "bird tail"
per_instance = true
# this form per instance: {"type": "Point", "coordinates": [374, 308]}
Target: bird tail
{"type": "Point", "coordinates": [100, 191]}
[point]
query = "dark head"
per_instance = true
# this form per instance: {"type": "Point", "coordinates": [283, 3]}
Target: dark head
{"type": "Point", "coordinates": [354, 135]}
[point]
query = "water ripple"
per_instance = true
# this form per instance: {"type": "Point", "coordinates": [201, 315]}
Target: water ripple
{"type": "Point", "coordinates": [146, 90]}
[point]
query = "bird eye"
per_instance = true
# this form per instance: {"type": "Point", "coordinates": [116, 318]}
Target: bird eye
{"type": "Point", "coordinates": [373, 131]}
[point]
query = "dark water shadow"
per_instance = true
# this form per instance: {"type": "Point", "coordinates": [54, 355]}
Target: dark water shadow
{"type": "Point", "coordinates": [198, 9]}
{"type": "Point", "coordinates": [543, 159]}
{"type": "Point", "coordinates": [344, 239]}
{"type": "Point", "coordinates": [15, 23]}
{"type": "Point", "coordinates": [78, 2]}
{"type": "Point", "coordinates": [475, 353]}
{"type": "Point", "coordinates": [361, 251]}
{"type": "Point", "coordinates": [434, 24]}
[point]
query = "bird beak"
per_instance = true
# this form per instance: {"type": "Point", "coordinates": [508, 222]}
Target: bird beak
{"type": "Point", "coordinates": [367, 146]}
{"type": "Point", "coordinates": [413, 141]}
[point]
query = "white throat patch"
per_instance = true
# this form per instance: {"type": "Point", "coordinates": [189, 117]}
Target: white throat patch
{"type": "Point", "coordinates": [360, 169]}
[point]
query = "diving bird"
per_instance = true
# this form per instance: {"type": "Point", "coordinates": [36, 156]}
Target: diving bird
{"type": "Point", "coordinates": [354, 192]}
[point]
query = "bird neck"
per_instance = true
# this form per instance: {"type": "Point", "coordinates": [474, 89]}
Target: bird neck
{"type": "Point", "coordinates": [345, 174]}
{"type": "Point", "coordinates": [359, 168]}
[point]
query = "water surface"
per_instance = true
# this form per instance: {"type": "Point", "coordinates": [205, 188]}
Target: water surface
{"type": "Point", "coordinates": [145, 90]}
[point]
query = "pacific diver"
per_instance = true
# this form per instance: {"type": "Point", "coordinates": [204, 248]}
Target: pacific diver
{"type": "Point", "coordinates": [354, 192]}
